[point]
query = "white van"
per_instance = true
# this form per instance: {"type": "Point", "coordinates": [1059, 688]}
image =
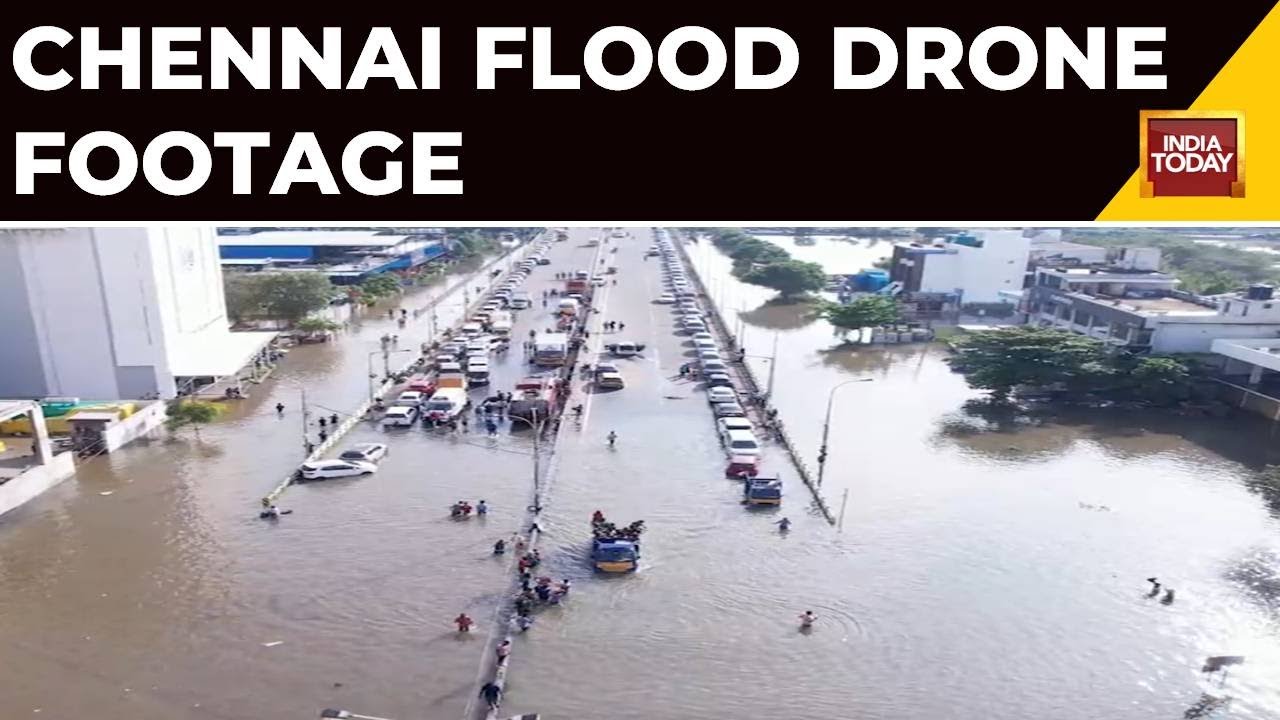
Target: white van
{"type": "Point", "coordinates": [520, 300]}
{"type": "Point", "coordinates": [400, 416]}
{"type": "Point", "coordinates": [478, 372]}
{"type": "Point", "coordinates": [568, 306]}
{"type": "Point", "coordinates": [445, 405]}
{"type": "Point", "coordinates": [741, 442]}
{"type": "Point", "coordinates": [472, 329]}
{"type": "Point", "coordinates": [500, 323]}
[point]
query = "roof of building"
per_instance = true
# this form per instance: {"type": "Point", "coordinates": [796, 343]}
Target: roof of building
{"type": "Point", "coordinates": [217, 353]}
{"type": "Point", "coordinates": [1110, 274]}
{"type": "Point", "coordinates": [317, 238]}
{"type": "Point", "coordinates": [13, 408]}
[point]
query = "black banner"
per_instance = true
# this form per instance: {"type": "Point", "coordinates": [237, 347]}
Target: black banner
{"type": "Point", "coordinates": [804, 151]}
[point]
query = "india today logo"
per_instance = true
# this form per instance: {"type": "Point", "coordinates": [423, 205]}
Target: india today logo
{"type": "Point", "coordinates": [1192, 153]}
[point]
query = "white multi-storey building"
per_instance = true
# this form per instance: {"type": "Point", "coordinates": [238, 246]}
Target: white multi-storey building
{"type": "Point", "coordinates": [983, 267]}
{"type": "Point", "coordinates": [115, 313]}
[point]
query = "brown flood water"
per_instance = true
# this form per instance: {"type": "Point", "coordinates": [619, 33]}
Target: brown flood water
{"type": "Point", "coordinates": [976, 576]}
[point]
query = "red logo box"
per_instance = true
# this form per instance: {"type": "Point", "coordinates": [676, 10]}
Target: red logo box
{"type": "Point", "coordinates": [1192, 153]}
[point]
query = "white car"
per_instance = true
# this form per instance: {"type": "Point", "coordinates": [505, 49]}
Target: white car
{"type": "Point", "coordinates": [741, 442]}
{"type": "Point", "coordinates": [410, 397]}
{"type": "Point", "coordinates": [609, 381]}
{"type": "Point", "coordinates": [321, 469]}
{"type": "Point", "coordinates": [721, 395]}
{"type": "Point", "coordinates": [726, 424]}
{"type": "Point", "coordinates": [598, 282]}
{"type": "Point", "coordinates": [709, 354]}
{"type": "Point", "coordinates": [703, 336]}
{"type": "Point", "coordinates": [704, 343]}
{"type": "Point", "coordinates": [367, 452]}
{"type": "Point", "coordinates": [666, 298]}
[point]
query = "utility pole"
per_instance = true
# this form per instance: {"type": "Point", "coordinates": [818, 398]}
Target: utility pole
{"type": "Point", "coordinates": [844, 502]}
{"type": "Point", "coordinates": [306, 443]}
{"type": "Point", "coordinates": [773, 367]}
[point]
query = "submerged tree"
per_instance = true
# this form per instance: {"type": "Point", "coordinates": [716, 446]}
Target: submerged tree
{"type": "Point", "coordinates": [1000, 360]}
{"type": "Point", "coordinates": [790, 278]}
{"type": "Point", "coordinates": [865, 311]}
{"type": "Point", "coordinates": [193, 413]}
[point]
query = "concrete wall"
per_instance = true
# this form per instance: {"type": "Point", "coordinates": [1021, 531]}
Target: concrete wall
{"type": "Point", "coordinates": [21, 369]}
{"type": "Point", "coordinates": [99, 313]}
{"type": "Point", "coordinates": [69, 312]}
{"type": "Point", "coordinates": [1191, 336]}
{"type": "Point", "coordinates": [135, 426]}
{"type": "Point", "coordinates": [35, 481]}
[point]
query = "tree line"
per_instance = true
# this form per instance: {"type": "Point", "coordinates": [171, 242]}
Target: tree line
{"type": "Point", "coordinates": [1025, 358]}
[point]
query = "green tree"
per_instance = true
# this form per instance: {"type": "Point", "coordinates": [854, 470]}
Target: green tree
{"type": "Point", "coordinates": [1000, 360]}
{"type": "Point", "coordinates": [193, 413]}
{"type": "Point", "coordinates": [316, 325]}
{"type": "Point", "coordinates": [1160, 380]}
{"type": "Point", "coordinates": [244, 295]}
{"type": "Point", "coordinates": [291, 296]}
{"type": "Point", "coordinates": [865, 311]}
{"type": "Point", "coordinates": [378, 287]}
{"type": "Point", "coordinates": [790, 278]}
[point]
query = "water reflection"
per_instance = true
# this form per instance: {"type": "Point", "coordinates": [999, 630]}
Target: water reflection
{"type": "Point", "coordinates": [780, 315]}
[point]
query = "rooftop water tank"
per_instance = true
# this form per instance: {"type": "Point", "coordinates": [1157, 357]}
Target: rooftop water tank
{"type": "Point", "coordinates": [1259, 292]}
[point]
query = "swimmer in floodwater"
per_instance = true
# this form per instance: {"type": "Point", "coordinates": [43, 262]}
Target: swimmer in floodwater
{"type": "Point", "coordinates": [783, 525]}
{"type": "Point", "coordinates": [1168, 597]}
{"type": "Point", "coordinates": [500, 548]}
{"type": "Point", "coordinates": [1155, 587]}
{"type": "Point", "coordinates": [807, 619]}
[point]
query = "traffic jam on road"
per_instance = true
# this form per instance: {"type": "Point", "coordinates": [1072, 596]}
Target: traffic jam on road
{"type": "Point", "coordinates": [451, 387]}
{"type": "Point", "coordinates": [544, 341]}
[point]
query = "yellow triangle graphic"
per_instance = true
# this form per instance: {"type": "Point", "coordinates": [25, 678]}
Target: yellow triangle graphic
{"type": "Point", "coordinates": [1249, 83]}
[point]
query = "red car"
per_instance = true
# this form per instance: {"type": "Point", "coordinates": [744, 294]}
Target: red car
{"type": "Point", "coordinates": [740, 465]}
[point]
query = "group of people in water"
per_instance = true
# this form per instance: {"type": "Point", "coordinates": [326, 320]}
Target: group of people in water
{"type": "Point", "coordinates": [603, 529]}
{"type": "Point", "coordinates": [463, 509]}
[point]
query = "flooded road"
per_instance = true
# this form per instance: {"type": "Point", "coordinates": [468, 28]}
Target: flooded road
{"type": "Point", "coordinates": [159, 600]}
{"type": "Point", "coordinates": [977, 575]}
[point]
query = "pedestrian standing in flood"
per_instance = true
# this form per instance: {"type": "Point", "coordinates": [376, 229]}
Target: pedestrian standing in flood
{"type": "Point", "coordinates": [503, 652]}
{"type": "Point", "coordinates": [279, 408]}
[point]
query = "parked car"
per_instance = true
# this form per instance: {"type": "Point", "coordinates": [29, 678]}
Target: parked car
{"type": "Point", "coordinates": [721, 394]}
{"type": "Point", "coordinates": [323, 469]}
{"type": "Point", "coordinates": [544, 261]}
{"type": "Point", "coordinates": [741, 442]}
{"type": "Point", "coordinates": [714, 366]}
{"type": "Point", "coordinates": [666, 299]}
{"type": "Point", "coordinates": [724, 425]}
{"type": "Point", "coordinates": [719, 380]}
{"type": "Point", "coordinates": [728, 409]}
{"type": "Point", "coordinates": [366, 452]}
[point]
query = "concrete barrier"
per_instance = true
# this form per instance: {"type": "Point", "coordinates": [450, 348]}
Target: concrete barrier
{"type": "Point", "coordinates": [752, 383]}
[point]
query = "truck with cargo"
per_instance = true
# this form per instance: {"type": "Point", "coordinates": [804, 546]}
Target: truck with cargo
{"type": "Point", "coordinates": [534, 399]}
{"type": "Point", "coordinates": [500, 323]}
{"type": "Point", "coordinates": [551, 349]}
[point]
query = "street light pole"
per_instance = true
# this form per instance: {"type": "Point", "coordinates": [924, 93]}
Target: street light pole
{"type": "Point", "coordinates": [826, 426]}
{"type": "Point", "coordinates": [386, 365]}
{"type": "Point", "coordinates": [773, 366]}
